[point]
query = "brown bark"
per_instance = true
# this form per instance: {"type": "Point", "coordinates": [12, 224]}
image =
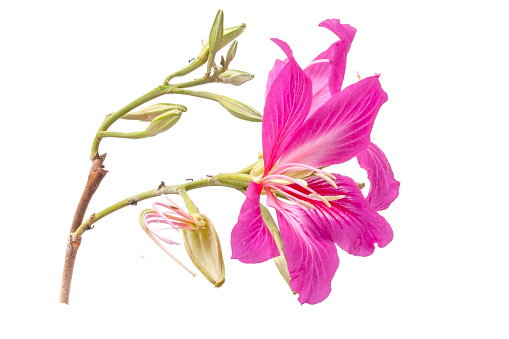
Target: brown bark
{"type": "Point", "coordinates": [96, 175]}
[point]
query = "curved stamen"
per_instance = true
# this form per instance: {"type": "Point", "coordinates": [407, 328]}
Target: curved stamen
{"type": "Point", "coordinates": [321, 198]}
{"type": "Point", "coordinates": [161, 214]}
{"type": "Point", "coordinates": [328, 179]}
{"type": "Point", "coordinates": [290, 167]}
{"type": "Point", "coordinates": [293, 198]}
{"type": "Point", "coordinates": [273, 177]}
{"type": "Point", "coordinates": [149, 219]}
{"type": "Point", "coordinates": [179, 210]}
{"type": "Point", "coordinates": [283, 188]}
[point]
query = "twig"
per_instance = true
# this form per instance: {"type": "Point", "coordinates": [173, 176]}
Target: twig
{"type": "Point", "coordinates": [96, 175]}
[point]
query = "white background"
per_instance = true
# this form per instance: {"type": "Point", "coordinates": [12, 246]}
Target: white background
{"type": "Point", "coordinates": [64, 65]}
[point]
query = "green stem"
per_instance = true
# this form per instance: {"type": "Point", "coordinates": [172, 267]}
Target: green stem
{"type": "Point", "coordinates": [232, 180]}
{"type": "Point", "coordinates": [191, 207]}
{"type": "Point", "coordinates": [156, 92]}
{"type": "Point", "coordinates": [199, 94]}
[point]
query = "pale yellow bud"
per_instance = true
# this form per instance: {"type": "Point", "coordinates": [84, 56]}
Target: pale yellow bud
{"type": "Point", "coordinates": [203, 246]}
{"type": "Point", "coordinates": [240, 110]}
{"type": "Point", "coordinates": [234, 77]}
{"type": "Point", "coordinates": [151, 112]}
{"type": "Point", "coordinates": [163, 122]}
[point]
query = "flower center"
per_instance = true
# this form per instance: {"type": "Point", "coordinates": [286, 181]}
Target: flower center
{"type": "Point", "coordinates": [280, 179]}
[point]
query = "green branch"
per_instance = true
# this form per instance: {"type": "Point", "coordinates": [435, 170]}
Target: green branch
{"type": "Point", "coordinates": [232, 180]}
{"type": "Point", "coordinates": [156, 92]}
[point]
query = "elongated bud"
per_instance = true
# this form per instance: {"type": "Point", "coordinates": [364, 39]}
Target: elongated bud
{"type": "Point", "coordinates": [229, 35]}
{"type": "Point", "coordinates": [202, 245]}
{"type": "Point", "coordinates": [215, 38]}
{"type": "Point", "coordinates": [231, 54]}
{"type": "Point", "coordinates": [240, 110]}
{"type": "Point", "coordinates": [281, 260]}
{"type": "Point", "coordinates": [149, 113]}
{"type": "Point", "coordinates": [234, 77]}
{"type": "Point", "coordinates": [163, 122]}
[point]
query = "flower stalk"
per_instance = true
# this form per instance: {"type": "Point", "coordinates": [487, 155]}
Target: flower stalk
{"type": "Point", "coordinates": [232, 180]}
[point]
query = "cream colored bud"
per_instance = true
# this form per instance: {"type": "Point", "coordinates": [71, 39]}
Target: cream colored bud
{"type": "Point", "coordinates": [231, 53]}
{"type": "Point", "coordinates": [203, 246]}
{"type": "Point", "coordinates": [229, 35]}
{"type": "Point", "coordinates": [163, 122]}
{"type": "Point", "coordinates": [234, 77]}
{"type": "Point", "coordinates": [151, 112]}
{"type": "Point", "coordinates": [240, 110]}
{"type": "Point", "coordinates": [216, 33]}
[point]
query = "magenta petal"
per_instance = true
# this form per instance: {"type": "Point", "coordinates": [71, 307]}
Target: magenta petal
{"type": "Point", "coordinates": [310, 254]}
{"type": "Point", "coordinates": [251, 239]}
{"type": "Point", "coordinates": [336, 54]}
{"type": "Point", "coordinates": [278, 66]}
{"type": "Point", "coordinates": [338, 66]}
{"type": "Point", "coordinates": [340, 128]}
{"type": "Point", "coordinates": [354, 224]}
{"type": "Point", "coordinates": [284, 46]}
{"type": "Point", "coordinates": [384, 189]}
{"type": "Point", "coordinates": [319, 71]}
{"type": "Point", "coordinates": [286, 107]}
{"type": "Point", "coordinates": [344, 32]}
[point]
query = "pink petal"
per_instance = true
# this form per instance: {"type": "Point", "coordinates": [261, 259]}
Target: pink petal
{"type": "Point", "coordinates": [286, 107]}
{"type": "Point", "coordinates": [278, 66]}
{"type": "Point", "coordinates": [337, 52]}
{"type": "Point", "coordinates": [354, 224]}
{"type": "Point", "coordinates": [319, 71]}
{"type": "Point", "coordinates": [339, 129]}
{"type": "Point", "coordinates": [251, 239]}
{"type": "Point", "coordinates": [338, 66]}
{"type": "Point", "coordinates": [344, 32]}
{"type": "Point", "coordinates": [310, 253]}
{"type": "Point", "coordinates": [384, 189]}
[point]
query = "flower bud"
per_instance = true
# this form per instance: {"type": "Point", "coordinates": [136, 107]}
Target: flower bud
{"type": "Point", "coordinates": [229, 35]}
{"type": "Point", "coordinates": [202, 245]}
{"type": "Point", "coordinates": [216, 33]}
{"type": "Point", "coordinates": [231, 53]}
{"type": "Point", "coordinates": [234, 77]}
{"type": "Point", "coordinates": [149, 113]}
{"type": "Point", "coordinates": [215, 37]}
{"type": "Point", "coordinates": [163, 122]}
{"type": "Point", "coordinates": [240, 110]}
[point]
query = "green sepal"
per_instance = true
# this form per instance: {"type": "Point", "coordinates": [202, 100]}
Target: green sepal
{"type": "Point", "coordinates": [274, 230]}
{"type": "Point", "coordinates": [204, 250]}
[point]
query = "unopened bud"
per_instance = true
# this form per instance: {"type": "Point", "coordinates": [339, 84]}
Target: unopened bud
{"type": "Point", "coordinates": [240, 110]}
{"type": "Point", "coordinates": [231, 53]}
{"type": "Point", "coordinates": [215, 37]}
{"type": "Point", "coordinates": [149, 113]}
{"type": "Point", "coordinates": [216, 33]}
{"type": "Point", "coordinates": [229, 35]}
{"type": "Point", "coordinates": [234, 77]}
{"type": "Point", "coordinates": [202, 245]}
{"type": "Point", "coordinates": [163, 122]}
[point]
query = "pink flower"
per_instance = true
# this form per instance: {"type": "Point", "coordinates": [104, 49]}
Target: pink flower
{"type": "Point", "coordinates": [310, 123]}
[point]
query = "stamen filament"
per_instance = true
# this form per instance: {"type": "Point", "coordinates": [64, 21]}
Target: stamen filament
{"type": "Point", "coordinates": [270, 178]}
{"type": "Point", "coordinates": [178, 209]}
{"type": "Point", "coordinates": [294, 199]}
{"type": "Point", "coordinates": [321, 198]}
{"type": "Point", "coordinates": [334, 197]}
{"type": "Point", "coordinates": [328, 179]}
